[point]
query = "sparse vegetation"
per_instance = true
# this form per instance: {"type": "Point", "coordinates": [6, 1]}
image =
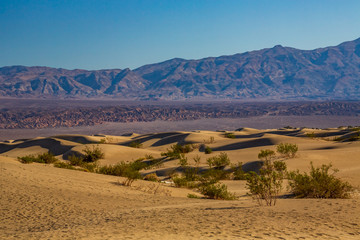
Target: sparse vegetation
{"type": "Point", "coordinates": [46, 158]}
{"type": "Point", "coordinates": [176, 150]}
{"type": "Point", "coordinates": [207, 150]}
{"type": "Point", "coordinates": [229, 135]}
{"type": "Point", "coordinates": [64, 165]}
{"type": "Point", "coordinates": [319, 183]}
{"type": "Point", "coordinates": [152, 177]}
{"type": "Point", "coordinates": [220, 161]}
{"type": "Point", "coordinates": [135, 144]}
{"type": "Point", "coordinates": [190, 195]}
{"type": "Point", "coordinates": [210, 140]}
{"type": "Point", "coordinates": [287, 150]}
{"type": "Point", "coordinates": [266, 185]}
{"type": "Point", "coordinates": [237, 172]}
{"type": "Point", "coordinates": [266, 154]}
{"type": "Point", "coordinates": [216, 191]}
{"type": "Point", "coordinates": [92, 154]}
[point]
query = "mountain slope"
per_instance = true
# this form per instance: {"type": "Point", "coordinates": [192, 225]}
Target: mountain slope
{"type": "Point", "coordinates": [278, 73]}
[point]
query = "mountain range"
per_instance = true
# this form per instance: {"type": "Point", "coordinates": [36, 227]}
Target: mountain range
{"type": "Point", "coordinates": [278, 73]}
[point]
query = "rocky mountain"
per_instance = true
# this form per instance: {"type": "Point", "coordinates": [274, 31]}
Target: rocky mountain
{"type": "Point", "coordinates": [278, 73]}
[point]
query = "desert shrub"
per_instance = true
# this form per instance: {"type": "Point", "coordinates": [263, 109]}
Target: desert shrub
{"type": "Point", "coordinates": [27, 159]}
{"type": "Point", "coordinates": [131, 175]}
{"type": "Point", "coordinates": [311, 135]}
{"type": "Point", "coordinates": [229, 135]}
{"type": "Point", "coordinates": [47, 157]}
{"type": "Point", "coordinates": [237, 172]}
{"type": "Point", "coordinates": [183, 160]}
{"type": "Point", "coordinates": [92, 154]}
{"type": "Point", "coordinates": [197, 160]}
{"type": "Point", "coordinates": [266, 154]}
{"type": "Point", "coordinates": [135, 144]}
{"type": "Point", "coordinates": [190, 195]}
{"type": "Point", "coordinates": [319, 183]}
{"type": "Point", "coordinates": [128, 170]}
{"type": "Point", "coordinates": [216, 191]}
{"type": "Point", "coordinates": [63, 165]}
{"type": "Point", "coordinates": [75, 160]}
{"type": "Point", "coordinates": [207, 150]}
{"type": "Point", "coordinates": [152, 177]}
{"type": "Point", "coordinates": [180, 181]}
{"type": "Point", "coordinates": [115, 170]}
{"type": "Point", "coordinates": [219, 161]}
{"type": "Point", "coordinates": [176, 150]}
{"type": "Point", "coordinates": [215, 175]}
{"type": "Point", "coordinates": [287, 149]}
{"type": "Point", "coordinates": [210, 140]}
{"type": "Point", "coordinates": [89, 167]}
{"type": "Point", "coordinates": [268, 184]}
{"type": "Point", "coordinates": [149, 157]}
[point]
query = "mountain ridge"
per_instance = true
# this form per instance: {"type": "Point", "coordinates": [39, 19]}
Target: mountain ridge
{"type": "Point", "coordinates": [278, 73]}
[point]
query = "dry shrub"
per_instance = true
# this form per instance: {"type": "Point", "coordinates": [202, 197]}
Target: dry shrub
{"type": "Point", "coordinates": [319, 183]}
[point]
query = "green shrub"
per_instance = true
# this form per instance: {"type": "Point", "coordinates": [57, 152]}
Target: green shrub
{"type": "Point", "coordinates": [190, 195]}
{"type": "Point", "coordinates": [208, 150]}
{"type": "Point", "coordinates": [266, 154]}
{"type": "Point", "coordinates": [318, 184]}
{"type": "Point", "coordinates": [180, 181]}
{"type": "Point", "coordinates": [216, 191]}
{"type": "Point", "coordinates": [177, 149]}
{"type": "Point", "coordinates": [123, 169]}
{"type": "Point", "coordinates": [63, 165]}
{"type": "Point", "coordinates": [287, 149]}
{"type": "Point", "coordinates": [152, 177]}
{"type": "Point", "coordinates": [135, 144]}
{"type": "Point", "coordinates": [220, 161]}
{"type": "Point", "coordinates": [75, 160]}
{"type": "Point", "coordinates": [237, 172]}
{"type": "Point", "coordinates": [27, 159]}
{"type": "Point", "coordinates": [40, 158]}
{"type": "Point", "coordinates": [47, 158]}
{"type": "Point", "coordinates": [92, 154]}
{"type": "Point", "coordinates": [229, 135]}
{"type": "Point", "coordinates": [216, 175]}
{"type": "Point", "coordinates": [131, 175]}
{"type": "Point", "coordinates": [268, 184]}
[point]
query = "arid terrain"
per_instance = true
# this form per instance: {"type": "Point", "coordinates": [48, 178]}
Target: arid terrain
{"type": "Point", "coordinates": [39, 201]}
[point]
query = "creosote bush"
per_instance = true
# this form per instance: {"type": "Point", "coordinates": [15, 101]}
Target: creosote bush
{"type": "Point", "coordinates": [268, 184]}
{"type": "Point", "coordinates": [319, 183]}
{"type": "Point", "coordinates": [92, 154]}
{"type": "Point", "coordinates": [266, 154]}
{"type": "Point", "coordinates": [176, 150]}
{"type": "Point", "coordinates": [207, 150]}
{"type": "Point", "coordinates": [287, 150]}
{"type": "Point", "coordinates": [152, 177]}
{"type": "Point", "coordinates": [237, 172]}
{"type": "Point", "coordinates": [229, 135]}
{"type": "Point", "coordinates": [218, 162]}
{"type": "Point", "coordinates": [135, 144]}
{"type": "Point", "coordinates": [40, 158]}
{"type": "Point", "coordinates": [216, 191]}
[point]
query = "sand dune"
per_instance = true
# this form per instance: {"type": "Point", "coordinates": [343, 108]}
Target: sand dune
{"type": "Point", "coordinates": [42, 202]}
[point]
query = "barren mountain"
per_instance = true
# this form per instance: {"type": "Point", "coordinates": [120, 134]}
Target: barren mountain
{"type": "Point", "coordinates": [278, 73]}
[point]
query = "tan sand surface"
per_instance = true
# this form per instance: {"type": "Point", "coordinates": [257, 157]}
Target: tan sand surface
{"type": "Point", "coordinates": [42, 202]}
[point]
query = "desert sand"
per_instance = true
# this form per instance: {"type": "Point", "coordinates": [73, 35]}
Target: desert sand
{"type": "Point", "coordinates": [39, 201]}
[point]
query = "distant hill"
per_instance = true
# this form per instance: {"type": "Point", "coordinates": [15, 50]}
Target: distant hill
{"type": "Point", "coordinates": [278, 73]}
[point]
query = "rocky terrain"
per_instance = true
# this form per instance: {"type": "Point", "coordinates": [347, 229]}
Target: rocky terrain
{"type": "Point", "coordinates": [278, 73]}
{"type": "Point", "coordinates": [43, 114]}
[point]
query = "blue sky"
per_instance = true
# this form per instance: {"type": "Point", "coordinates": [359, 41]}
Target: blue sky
{"type": "Point", "coordinates": [94, 34]}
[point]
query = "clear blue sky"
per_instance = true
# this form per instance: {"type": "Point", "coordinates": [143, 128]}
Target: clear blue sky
{"type": "Point", "coordinates": [95, 34]}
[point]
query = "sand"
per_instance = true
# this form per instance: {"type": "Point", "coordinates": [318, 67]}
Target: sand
{"type": "Point", "coordinates": [42, 202]}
